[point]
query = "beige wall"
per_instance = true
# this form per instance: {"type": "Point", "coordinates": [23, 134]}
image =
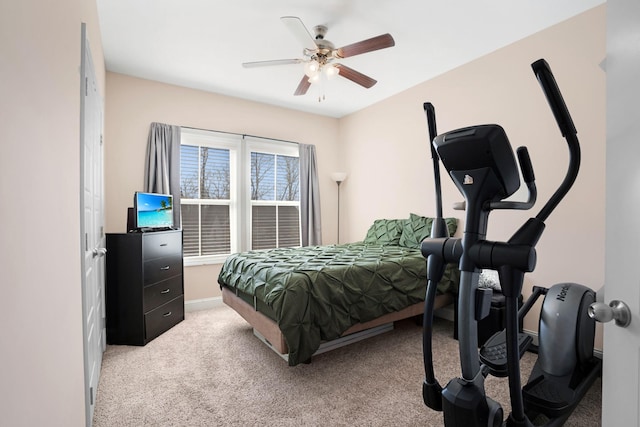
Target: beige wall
{"type": "Point", "coordinates": [41, 362]}
{"type": "Point", "coordinates": [391, 137]}
{"type": "Point", "coordinates": [132, 104]}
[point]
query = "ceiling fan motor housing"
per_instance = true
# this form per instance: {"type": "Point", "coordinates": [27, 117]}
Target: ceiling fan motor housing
{"type": "Point", "coordinates": [321, 31]}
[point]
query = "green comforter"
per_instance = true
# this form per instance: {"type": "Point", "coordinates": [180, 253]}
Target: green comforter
{"type": "Point", "coordinates": [316, 293]}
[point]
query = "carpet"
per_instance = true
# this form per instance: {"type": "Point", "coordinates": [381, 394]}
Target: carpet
{"type": "Point", "coordinates": [210, 370]}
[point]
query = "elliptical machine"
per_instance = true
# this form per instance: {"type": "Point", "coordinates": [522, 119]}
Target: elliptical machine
{"type": "Point", "coordinates": [481, 163]}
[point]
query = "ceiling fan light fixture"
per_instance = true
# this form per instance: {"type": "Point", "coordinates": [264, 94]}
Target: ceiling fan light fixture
{"type": "Point", "coordinates": [330, 71]}
{"type": "Point", "coordinates": [315, 78]}
{"type": "Point", "coordinates": [311, 68]}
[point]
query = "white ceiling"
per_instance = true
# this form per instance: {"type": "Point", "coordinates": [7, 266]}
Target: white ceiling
{"type": "Point", "coordinates": [201, 44]}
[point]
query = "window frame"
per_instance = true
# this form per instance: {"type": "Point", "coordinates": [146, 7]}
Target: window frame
{"type": "Point", "coordinates": [232, 143]}
{"type": "Point", "coordinates": [240, 203]}
{"type": "Point", "coordinates": [260, 145]}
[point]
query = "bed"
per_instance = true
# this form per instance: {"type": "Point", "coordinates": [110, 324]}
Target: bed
{"type": "Point", "coordinates": [298, 299]}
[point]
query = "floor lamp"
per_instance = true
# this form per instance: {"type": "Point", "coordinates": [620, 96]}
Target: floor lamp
{"type": "Point", "coordinates": [338, 177]}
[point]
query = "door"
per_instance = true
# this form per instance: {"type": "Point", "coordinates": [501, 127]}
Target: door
{"type": "Point", "coordinates": [621, 373]}
{"type": "Point", "coordinates": [91, 227]}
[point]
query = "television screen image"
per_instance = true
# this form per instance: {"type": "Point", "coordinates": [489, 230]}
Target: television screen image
{"type": "Point", "coordinates": [153, 210]}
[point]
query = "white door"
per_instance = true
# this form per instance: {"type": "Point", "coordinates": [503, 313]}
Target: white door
{"type": "Point", "coordinates": [91, 225]}
{"type": "Point", "coordinates": [621, 373]}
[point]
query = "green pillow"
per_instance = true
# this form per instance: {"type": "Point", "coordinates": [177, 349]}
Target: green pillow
{"type": "Point", "coordinates": [417, 228]}
{"type": "Point", "coordinates": [385, 232]}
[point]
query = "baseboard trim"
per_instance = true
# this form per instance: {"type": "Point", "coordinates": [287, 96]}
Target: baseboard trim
{"type": "Point", "coordinates": [202, 304]}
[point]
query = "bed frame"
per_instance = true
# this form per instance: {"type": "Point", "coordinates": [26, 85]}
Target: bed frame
{"type": "Point", "coordinates": [269, 332]}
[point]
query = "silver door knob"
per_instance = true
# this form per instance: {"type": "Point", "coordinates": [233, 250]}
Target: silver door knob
{"type": "Point", "coordinates": [616, 310]}
{"type": "Point", "coordinates": [99, 252]}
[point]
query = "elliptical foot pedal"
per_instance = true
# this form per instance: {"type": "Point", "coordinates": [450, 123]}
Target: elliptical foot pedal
{"type": "Point", "coordinates": [550, 394]}
{"type": "Point", "coordinates": [493, 353]}
{"type": "Point", "coordinates": [556, 396]}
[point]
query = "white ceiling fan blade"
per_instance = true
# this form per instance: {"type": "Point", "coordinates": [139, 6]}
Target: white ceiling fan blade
{"type": "Point", "coordinates": [272, 62]}
{"type": "Point", "coordinates": [298, 29]}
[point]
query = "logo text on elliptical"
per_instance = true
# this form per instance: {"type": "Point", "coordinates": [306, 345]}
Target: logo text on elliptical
{"type": "Point", "coordinates": [563, 293]}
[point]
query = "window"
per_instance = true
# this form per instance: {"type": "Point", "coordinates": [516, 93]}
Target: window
{"type": "Point", "coordinates": [237, 193]}
{"type": "Point", "coordinates": [275, 201]}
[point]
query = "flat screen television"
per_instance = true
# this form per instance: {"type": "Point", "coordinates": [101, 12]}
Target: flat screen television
{"type": "Point", "coordinates": [152, 211]}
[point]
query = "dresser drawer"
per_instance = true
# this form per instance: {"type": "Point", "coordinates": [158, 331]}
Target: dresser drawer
{"type": "Point", "coordinates": [159, 244]}
{"type": "Point", "coordinates": [164, 317]}
{"type": "Point", "coordinates": [162, 292]}
{"type": "Point", "coordinates": [162, 269]}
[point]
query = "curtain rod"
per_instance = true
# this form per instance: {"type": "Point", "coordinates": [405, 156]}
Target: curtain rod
{"type": "Point", "coordinates": [240, 134]}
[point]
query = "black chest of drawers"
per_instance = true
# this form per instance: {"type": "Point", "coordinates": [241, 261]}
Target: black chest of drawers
{"type": "Point", "coordinates": [144, 285]}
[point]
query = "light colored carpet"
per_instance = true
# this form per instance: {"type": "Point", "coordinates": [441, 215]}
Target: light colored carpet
{"type": "Point", "coordinates": [210, 370]}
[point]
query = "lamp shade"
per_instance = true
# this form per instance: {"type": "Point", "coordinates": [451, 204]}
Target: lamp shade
{"type": "Point", "coordinates": [338, 176]}
{"type": "Point", "coordinates": [311, 68]}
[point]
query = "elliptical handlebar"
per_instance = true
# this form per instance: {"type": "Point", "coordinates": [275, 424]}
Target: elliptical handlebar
{"type": "Point", "coordinates": [550, 88]}
{"type": "Point", "coordinates": [530, 181]}
{"type": "Point", "coordinates": [525, 165]}
{"type": "Point", "coordinates": [431, 389]}
{"type": "Point", "coordinates": [431, 122]}
{"type": "Point", "coordinates": [548, 82]}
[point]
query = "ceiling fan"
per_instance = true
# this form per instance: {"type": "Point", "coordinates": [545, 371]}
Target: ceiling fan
{"type": "Point", "coordinates": [320, 54]}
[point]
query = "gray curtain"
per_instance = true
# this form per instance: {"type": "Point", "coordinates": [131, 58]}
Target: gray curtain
{"type": "Point", "coordinates": [162, 164]}
{"type": "Point", "coordinates": [309, 197]}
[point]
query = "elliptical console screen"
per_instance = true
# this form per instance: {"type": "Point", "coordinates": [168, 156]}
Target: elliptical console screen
{"type": "Point", "coordinates": [478, 147]}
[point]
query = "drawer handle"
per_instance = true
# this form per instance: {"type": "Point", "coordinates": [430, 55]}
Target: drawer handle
{"type": "Point", "coordinates": [164, 268]}
{"type": "Point", "coordinates": [167, 314]}
{"type": "Point", "coordinates": [163, 244]}
{"type": "Point", "coordinates": [166, 291]}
